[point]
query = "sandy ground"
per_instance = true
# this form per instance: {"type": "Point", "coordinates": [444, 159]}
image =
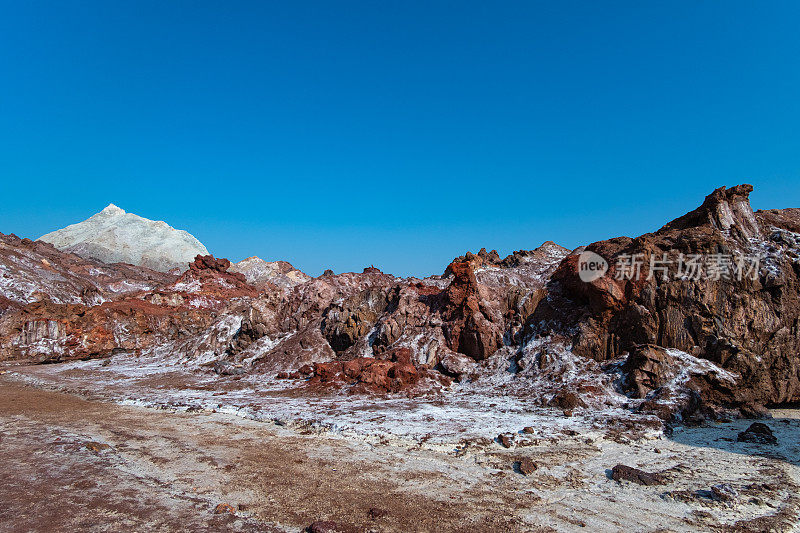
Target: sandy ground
{"type": "Point", "coordinates": [83, 460]}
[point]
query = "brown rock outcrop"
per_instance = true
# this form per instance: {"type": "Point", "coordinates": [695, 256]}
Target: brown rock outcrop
{"type": "Point", "coordinates": [205, 266]}
{"type": "Point", "coordinates": [368, 374]}
{"type": "Point", "coordinates": [647, 367]}
{"type": "Point", "coordinates": [468, 330]}
{"type": "Point", "coordinates": [747, 326]}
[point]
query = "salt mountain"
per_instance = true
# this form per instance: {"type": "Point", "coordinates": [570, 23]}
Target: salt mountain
{"type": "Point", "coordinates": [114, 236]}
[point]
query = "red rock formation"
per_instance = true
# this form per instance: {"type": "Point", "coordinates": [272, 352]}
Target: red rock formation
{"type": "Point", "coordinates": [103, 318]}
{"type": "Point", "coordinates": [207, 266]}
{"type": "Point", "coordinates": [475, 260]}
{"type": "Point", "coordinates": [376, 375]}
{"type": "Point", "coordinates": [469, 330]}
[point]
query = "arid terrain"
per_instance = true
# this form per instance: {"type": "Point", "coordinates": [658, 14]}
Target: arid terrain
{"type": "Point", "coordinates": [505, 394]}
{"type": "Point", "coordinates": [85, 462]}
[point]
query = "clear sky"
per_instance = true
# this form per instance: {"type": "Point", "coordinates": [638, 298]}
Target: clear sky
{"type": "Point", "coordinates": [400, 134]}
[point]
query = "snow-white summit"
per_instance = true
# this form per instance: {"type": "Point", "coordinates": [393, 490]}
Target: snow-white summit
{"type": "Point", "coordinates": [114, 236]}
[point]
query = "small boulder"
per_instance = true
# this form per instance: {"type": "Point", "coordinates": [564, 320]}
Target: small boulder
{"type": "Point", "coordinates": [506, 440]}
{"type": "Point", "coordinates": [225, 368]}
{"type": "Point", "coordinates": [566, 400]}
{"type": "Point", "coordinates": [757, 433]}
{"type": "Point", "coordinates": [527, 466]}
{"type": "Point", "coordinates": [224, 508]}
{"type": "Point", "coordinates": [723, 492]}
{"type": "Point", "coordinates": [628, 473]}
{"type": "Point", "coordinates": [96, 447]}
{"type": "Point", "coordinates": [458, 365]}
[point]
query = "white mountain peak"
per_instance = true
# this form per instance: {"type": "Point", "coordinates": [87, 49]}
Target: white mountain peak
{"type": "Point", "coordinates": [112, 209]}
{"type": "Point", "coordinates": [114, 236]}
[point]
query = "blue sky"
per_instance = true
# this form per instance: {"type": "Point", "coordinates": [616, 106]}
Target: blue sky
{"type": "Point", "coordinates": [400, 134]}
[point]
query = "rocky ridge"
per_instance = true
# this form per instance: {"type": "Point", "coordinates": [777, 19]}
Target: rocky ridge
{"type": "Point", "coordinates": [664, 344]}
